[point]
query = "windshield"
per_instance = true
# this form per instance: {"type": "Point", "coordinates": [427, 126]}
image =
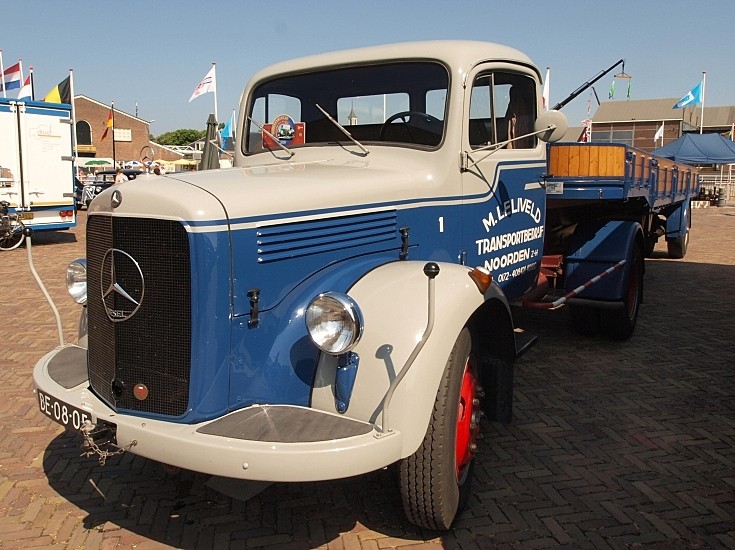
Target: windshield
{"type": "Point", "coordinates": [394, 103]}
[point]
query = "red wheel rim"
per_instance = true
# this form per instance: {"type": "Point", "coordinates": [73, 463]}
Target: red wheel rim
{"type": "Point", "coordinates": [633, 291]}
{"type": "Point", "coordinates": [468, 425]}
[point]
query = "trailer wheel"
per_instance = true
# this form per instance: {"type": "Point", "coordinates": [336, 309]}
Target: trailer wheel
{"type": "Point", "coordinates": [436, 480]}
{"type": "Point", "coordinates": [677, 248]}
{"type": "Point", "coordinates": [620, 323]}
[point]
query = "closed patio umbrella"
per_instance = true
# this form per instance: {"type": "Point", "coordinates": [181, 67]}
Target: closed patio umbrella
{"type": "Point", "coordinates": [210, 154]}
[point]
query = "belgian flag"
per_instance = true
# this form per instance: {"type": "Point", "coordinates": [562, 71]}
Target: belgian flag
{"type": "Point", "coordinates": [61, 92]}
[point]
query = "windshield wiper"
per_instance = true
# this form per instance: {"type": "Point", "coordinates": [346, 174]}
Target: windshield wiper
{"type": "Point", "coordinates": [274, 138]}
{"type": "Point", "coordinates": [344, 130]}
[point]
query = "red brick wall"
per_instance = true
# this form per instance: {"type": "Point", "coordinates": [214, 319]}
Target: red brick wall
{"type": "Point", "coordinates": [96, 115]}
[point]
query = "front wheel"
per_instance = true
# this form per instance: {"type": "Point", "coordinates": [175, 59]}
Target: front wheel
{"type": "Point", "coordinates": [13, 235]}
{"type": "Point", "coordinates": [436, 480]}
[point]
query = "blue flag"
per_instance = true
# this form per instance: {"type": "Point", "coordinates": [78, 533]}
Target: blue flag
{"type": "Point", "coordinates": [227, 132]}
{"type": "Point", "coordinates": [692, 98]}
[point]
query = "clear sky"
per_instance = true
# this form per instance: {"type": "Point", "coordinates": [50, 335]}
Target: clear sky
{"type": "Point", "coordinates": [155, 52]}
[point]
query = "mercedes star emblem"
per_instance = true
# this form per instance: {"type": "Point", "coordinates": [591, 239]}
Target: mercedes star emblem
{"type": "Point", "coordinates": [122, 285]}
{"type": "Point", "coordinates": [116, 198]}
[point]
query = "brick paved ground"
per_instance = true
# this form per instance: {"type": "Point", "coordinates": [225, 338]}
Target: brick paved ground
{"type": "Point", "coordinates": [612, 445]}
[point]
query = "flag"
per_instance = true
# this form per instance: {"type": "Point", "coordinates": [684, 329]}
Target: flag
{"type": "Point", "coordinates": [12, 77]}
{"type": "Point", "coordinates": [628, 94]}
{"type": "Point", "coordinates": [61, 93]}
{"type": "Point", "coordinates": [659, 133]}
{"type": "Point", "coordinates": [693, 97]}
{"type": "Point", "coordinates": [26, 92]}
{"type": "Point", "coordinates": [228, 131]}
{"type": "Point", "coordinates": [611, 93]}
{"type": "Point", "coordinates": [108, 125]}
{"type": "Point", "coordinates": [208, 84]}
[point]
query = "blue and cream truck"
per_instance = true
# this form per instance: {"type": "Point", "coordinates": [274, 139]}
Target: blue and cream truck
{"type": "Point", "coordinates": [342, 299]}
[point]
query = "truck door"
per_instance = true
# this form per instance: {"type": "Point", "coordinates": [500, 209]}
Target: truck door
{"type": "Point", "coordinates": [503, 200]}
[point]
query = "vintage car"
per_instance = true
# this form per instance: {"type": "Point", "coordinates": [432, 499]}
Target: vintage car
{"type": "Point", "coordinates": [102, 181]}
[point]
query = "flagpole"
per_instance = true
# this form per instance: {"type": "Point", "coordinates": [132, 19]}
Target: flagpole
{"type": "Point", "coordinates": [73, 117]}
{"type": "Point", "coordinates": [2, 74]}
{"type": "Point", "coordinates": [112, 110]}
{"type": "Point", "coordinates": [33, 86]}
{"type": "Point", "coordinates": [701, 119]}
{"type": "Point", "coordinates": [214, 75]}
{"type": "Point", "coordinates": [20, 64]}
{"type": "Point", "coordinates": [662, 133]}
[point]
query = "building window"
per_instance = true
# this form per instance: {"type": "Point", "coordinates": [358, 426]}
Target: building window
{"type": "Point", "coordinates": [84, 133]}
{"type": "Point", "coordinates": [623, 136]}
{"type": "Point", "coordinates": [611, 135]}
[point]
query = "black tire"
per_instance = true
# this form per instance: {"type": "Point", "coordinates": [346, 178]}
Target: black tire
{"type": "Point", "coordinates": [585, 320]}
{"type": "Point", "coordinates": [620, 323]}
{"type": "Point", "coordinates": [436, 480]}
{"type": "Point", "coordinates": [677, 248]}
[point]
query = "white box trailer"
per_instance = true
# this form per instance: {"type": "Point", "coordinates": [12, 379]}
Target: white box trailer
{"type": "Point", "coordinates": [37, 162]}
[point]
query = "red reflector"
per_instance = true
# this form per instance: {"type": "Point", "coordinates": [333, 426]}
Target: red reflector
{"type": "Point", "coordinates": [140, 391]}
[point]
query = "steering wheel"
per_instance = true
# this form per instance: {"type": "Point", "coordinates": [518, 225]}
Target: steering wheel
{"type": "Point", "coordinates": [417, 119]}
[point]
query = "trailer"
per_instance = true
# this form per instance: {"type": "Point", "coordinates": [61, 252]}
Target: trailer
{"type": "Point", "coordinates": [347, 300]}
{"type": "Point", "coordinates": [619, 179]}
{"type": "Point", "coordinates": [37, 163]}
{"type": "Point", "coordinates": [601, 198]}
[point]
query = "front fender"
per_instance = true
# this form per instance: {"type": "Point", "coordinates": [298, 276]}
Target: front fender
{"type": "Point", "coordinates": [394, 302]}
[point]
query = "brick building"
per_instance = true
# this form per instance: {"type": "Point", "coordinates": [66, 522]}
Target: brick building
{"type": "Point", "coordinates": [131, 135]}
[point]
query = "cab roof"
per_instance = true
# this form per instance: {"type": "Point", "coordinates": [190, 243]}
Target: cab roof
{"type": "Point", "coordinates": [458, 54]}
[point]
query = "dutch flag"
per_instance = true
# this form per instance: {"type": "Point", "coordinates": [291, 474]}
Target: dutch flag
{"type": "Point", "coordinates": [12, 77]}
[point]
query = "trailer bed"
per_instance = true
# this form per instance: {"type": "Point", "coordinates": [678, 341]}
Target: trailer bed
{"type": "Point", "coordinates": [615, 172]}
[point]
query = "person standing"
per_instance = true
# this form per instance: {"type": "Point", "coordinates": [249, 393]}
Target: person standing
{"type": "Point", "coordinates": [120, 176]}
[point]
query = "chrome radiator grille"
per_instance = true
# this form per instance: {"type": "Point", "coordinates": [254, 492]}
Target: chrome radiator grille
{"type": "Point", "coordinates": [139, 305]}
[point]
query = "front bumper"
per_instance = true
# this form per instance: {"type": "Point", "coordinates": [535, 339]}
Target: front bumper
{"type": "Point", "coordinates": [261, 442]}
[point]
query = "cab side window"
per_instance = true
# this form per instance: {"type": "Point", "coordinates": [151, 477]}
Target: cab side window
{"type": "Point", "coordinates": [502, 109]}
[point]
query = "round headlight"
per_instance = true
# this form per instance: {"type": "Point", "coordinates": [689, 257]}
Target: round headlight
{"type": "Point", "coordinates": [334, 322]}
{"type": "Point", "coordinates": [76, 280]}
{"type": "Point", "coordinates": [98, 189]}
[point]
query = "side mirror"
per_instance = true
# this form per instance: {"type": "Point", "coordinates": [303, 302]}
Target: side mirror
{"type": "Point", "coordinates": [551, 126]}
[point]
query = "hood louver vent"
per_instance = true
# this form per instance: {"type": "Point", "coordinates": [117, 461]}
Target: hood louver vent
{"type": "Point", "coordinates": [293, 240]}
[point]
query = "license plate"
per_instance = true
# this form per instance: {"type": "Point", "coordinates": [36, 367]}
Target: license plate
{"type": "Point", "coordinates": [58, 411]}
{"type": "Point", "coordinates": [25, 215]}
{"type": "Point", "coordinates": [554, 187]}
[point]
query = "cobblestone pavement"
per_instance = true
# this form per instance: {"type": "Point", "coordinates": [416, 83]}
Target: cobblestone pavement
{"type": "Point", "coordinates": [613, 445]}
